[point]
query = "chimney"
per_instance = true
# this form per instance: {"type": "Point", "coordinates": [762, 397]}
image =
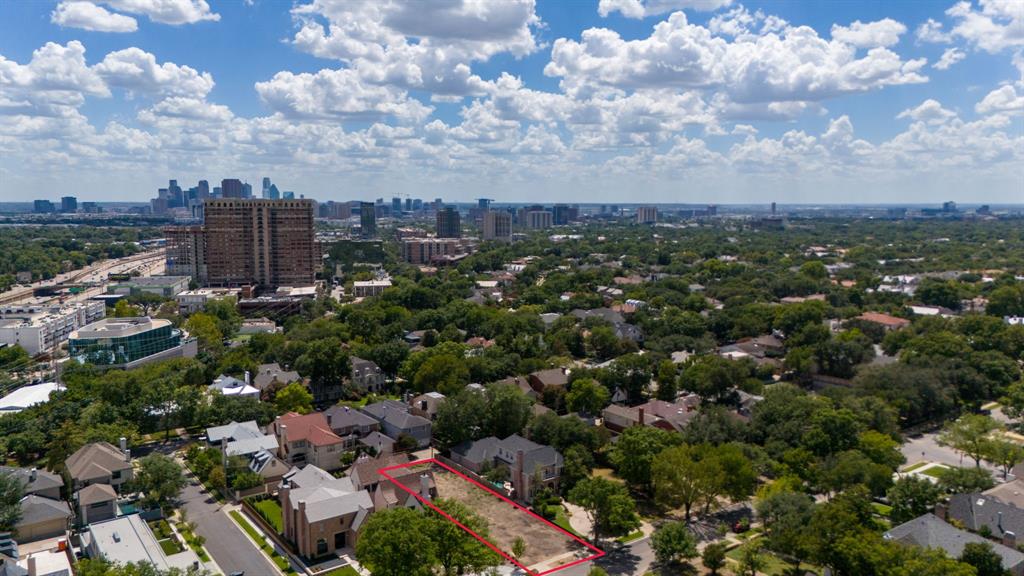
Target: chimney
{"type": "Point", "coordinates": [127, 455]}
{"type": "Point", "coordinates": [940, 510]}
{"type": "Point", "coordinates": [1010, 540]}
{"type": "Point", "coordinates": [123, 443]}
{"type": "Point", "coordinates": [32, 569]}
{"type": "Point", "coordinates": [641, 417]}
{"type": "Point", "coordinates": [284, 433]}
{"type": "Point", "coordinates": [247, 377]}
{"type": "Point", "coordinates": [425, 486]}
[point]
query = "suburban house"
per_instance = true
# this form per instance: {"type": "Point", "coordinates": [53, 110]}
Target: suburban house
{"type": "Point", "coordinates": [308, 439]}
{"type": "Point", "coordinates": [531, 466]}
{"type": "Point", "coordinates": [41, 518]}
{"type": "Point", "coordinates": [672, 416]}
{"type": "Point", "coordinates": [930, 531]}
{"type": "Point", "coordinates": [95, 503]}
{"type": "Point", "coordinates": [396, 420]}
{"type": "Point", "coordinates": [380, 443]}
{"type": "Point", "coordinates": [521, 382]}
{"type": "Point", "coordinates": [99, 463]}
{"type": "Point", "coordinates": [884, 320]}
{"type": "Point", "coordinates": [321, 514]}
{"type": "Point", "coordinates": [364, 473]}
{"type": "Point", "coordinates": [426, 405]}
{"type": "Point", "coordinates": [271, 377]}
{"type": "Point", "coordinates": [128, 539]}
{"type": "Point", "coordinates": [552, 377]}
{"type": "Point", "coordinates": [980, 512]}
{"type": "Point", "coordinates": [36, 481]}
{"type": "Point", "coordinates": [350, 424]}
{"type": "Point", "coordinates": [622, 329]}
{"type": "Point", "coordinates": [231, 386]}
{"type": "Point", "coordinates": [367, 376]}
{"type": "Point", "coordinates": [245, 439]}
{"type": "Point", "coordinates": [388, 495]}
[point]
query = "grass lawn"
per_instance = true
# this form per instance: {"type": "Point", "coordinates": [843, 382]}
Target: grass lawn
{"type": "Point", "coordinates": [915, 466]}
{"type": "Point", "coordinates": [170, 546]}
{"type": "Point", "coordinates": [630, 537]}
{"type": "Point", "coordinates": [343, 571]}
{"type": "Point", "coordinates": [271, 512]}
{"type": "Point", "coordinates": [607, 474]}
{"type": "Point", "coordinates": [774, 566]}
{"type": "Point", "coordinates": [562, 521]}
{"type": "Point", "coordinates": [267, 549]}
{"type": "Point", "coordinates": [934, 471]}
{"type": "Point", "coordinates": [881, 509]}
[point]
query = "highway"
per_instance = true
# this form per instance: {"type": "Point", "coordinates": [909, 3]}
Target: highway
{"type": "Point", "coordinates": [150, 263]}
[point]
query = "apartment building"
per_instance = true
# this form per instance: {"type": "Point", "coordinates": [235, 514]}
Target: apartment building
{"type": "Point", "coordinates": [40, 329]}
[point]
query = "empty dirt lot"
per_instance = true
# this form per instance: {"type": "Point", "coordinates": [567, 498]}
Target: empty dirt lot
{"type": "Point", "coordinates": [543, 542]}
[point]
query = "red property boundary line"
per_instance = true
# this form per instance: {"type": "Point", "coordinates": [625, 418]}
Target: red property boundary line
{"type": "Point", "coordinates": [384, 472]}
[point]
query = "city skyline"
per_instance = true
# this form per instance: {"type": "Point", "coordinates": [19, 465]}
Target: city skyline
{"type": "Point", "coordinates": [668, 101]}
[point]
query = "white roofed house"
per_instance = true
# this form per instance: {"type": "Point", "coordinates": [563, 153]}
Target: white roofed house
{"type": "Point", "coordinates": [231, 386]}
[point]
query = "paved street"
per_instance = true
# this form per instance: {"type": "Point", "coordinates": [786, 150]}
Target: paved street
{"type": "Point", "coordinates": [925, 448]}
{"type": "Point", "coordinates": [633, 560]}
{"type": "Point", "coordinates": [230, 548]}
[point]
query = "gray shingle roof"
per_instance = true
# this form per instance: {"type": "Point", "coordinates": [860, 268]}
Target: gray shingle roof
{"type": "Point", "coordinates": [396, 414]}
{"type": "Point", "coordinates": [929, 531]}
{"type": "Point", "coordinates": [95, 493]}
{"type": "Point", "coordinates": [977, 510]}
{"type": "Point", "coordinates": [344, 417]}
{"type": "Point", "coordinates": [96, 460]}
{"type": "Point", "coordinates": [36, 509]}
{"type": "Point", "coordinates": [43, 479]}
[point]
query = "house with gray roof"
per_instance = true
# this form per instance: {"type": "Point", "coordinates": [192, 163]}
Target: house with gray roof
{"type": "Point", "coordinates": [930, 531]}
{"type": "Point", "coordinates": [531, 466]}
{"type": "Point", "coordinates": [350, 424]}
{"type": "Point", "coordinates": [367, 376]}
{"type": "Point", "coordinates": [36, 481]}
{"type": "Point", "coordinates": [41, 518]}
{"type": "Point", "coordinates": [95, 503]}
{"type": "Point", "coordinates": [321, 514]}
{"type": "Point", "coordinates": [396, 420]}
{"type": "Point", "coordinates": [979, 511]}
{"type": "Point", "coordinates": [99, 463]}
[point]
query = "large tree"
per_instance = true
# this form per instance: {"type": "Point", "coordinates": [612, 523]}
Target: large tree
{"type": "Point", "coordinates": [293, 398]}
{"type": "Point", "coordinates": [673, 542]}
{"type": "Point", "coordinates": [587, 395]}
{"type": "Point", "coordinates": [160, 477]}
{"type": "Point", "coordinates": [910, 497]}
{"type": "Point", "coordinates": [635, 451]}
{"type": "Point", "coordinates": [969, 435]}
{"type": "Point", "coordinates": [608, 504]}
{"type": "Point", "coordinates": [457, 552]}
{"type": "Point", "coordinates": [11, 491]}
{"type": "Point", "coordinates": [397, 542]}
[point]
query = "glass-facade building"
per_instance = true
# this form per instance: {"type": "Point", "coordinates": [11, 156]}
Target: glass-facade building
{"type": "Point", "coordinates": [117, 341]}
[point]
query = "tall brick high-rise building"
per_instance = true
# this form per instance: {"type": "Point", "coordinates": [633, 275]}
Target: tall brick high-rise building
{"type": "Point", "coordinates": [268, 243]}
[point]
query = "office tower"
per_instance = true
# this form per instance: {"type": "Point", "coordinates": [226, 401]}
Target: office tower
{"type": "Point", "coordinates": [712, 210]}
{"type": "Point", "coordinates": [217, 192]}
{"type": "Point", "coordinates": [248, 242]}
{"type": "Point", "coordinates": [484, 203]}
{"type": "Point", "coordinates": [266, 187]}
{"type": "Point", "coordinates": [288, 195]}
{"type": "Point", "coordinates": [367, 220]}
{"type": "Point", "coordinates": [408, 204]}
{"type": "Point", "coordinates": [91, 208]}
{"type": "Point", "coordinates": [498, 226]}
{"type": "Point", "coordinates": [773, 208]}
{"type": "Point", "coordinates": [175, 195]}
{"type": "Point", "coordinates": [449, 223]}
{"type": "Point", "coordinates": [42, 207]}
{"type": "Point", "coordinates": [560, 214]}
{"type": "Point", "coordinates": [204, 190]}
{"type": "Point", "coordinates": [417, 204]}
{"type": "Point", "coordinates": [159, 205]}
{"type": "Point", "coordinates": [646, 214]}
{"type": "Point", "coordinates": [231, 188]}
{"type": "Point", "coordinates": [538, 219]}
{"type": "Point", "coordinates": [246, 190]}
{"type": "Point", "coordinates": [396, 206]}
{"type": "Point", "coordinates": [438, 204]}
{"type": "Point", "coordinates": [69, 204]}
{"type": "Point", "coordinates": [949, 206]}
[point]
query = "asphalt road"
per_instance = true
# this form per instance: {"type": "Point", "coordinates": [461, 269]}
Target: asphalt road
{"type": "Point", "coordinates": [230, 548]}
{"type": "Point", "coordinates": [632, 560]}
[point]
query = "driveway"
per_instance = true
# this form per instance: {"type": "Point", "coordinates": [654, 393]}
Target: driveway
{"type": "Point", "coordinates": [230, 548]}
{"type": "Point", "coordinates": [925, 448]}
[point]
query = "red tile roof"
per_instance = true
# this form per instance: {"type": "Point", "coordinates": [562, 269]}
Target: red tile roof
{"type": "Point", "coordinates": [311, 427]}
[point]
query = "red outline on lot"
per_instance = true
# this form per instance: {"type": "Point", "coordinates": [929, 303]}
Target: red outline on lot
{"type": "Point", "coordinates": [384, 472]}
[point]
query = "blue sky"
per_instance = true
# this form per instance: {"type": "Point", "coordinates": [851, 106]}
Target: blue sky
{"type": "Point", "coordinates": [604, 100]}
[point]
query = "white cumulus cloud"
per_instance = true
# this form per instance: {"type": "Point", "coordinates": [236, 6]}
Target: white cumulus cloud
{"type": "Point", "coordinates": [89, 16]}
{"type": "Point", "coordinates": [643, 8]}
{"type": "Point", "coordinates": [884, 32]}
